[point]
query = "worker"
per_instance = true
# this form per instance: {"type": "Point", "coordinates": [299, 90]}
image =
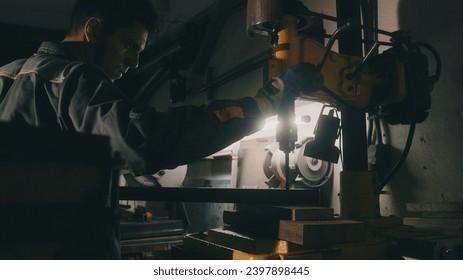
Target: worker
{"type": "Point", "coordinates": [69, 85]}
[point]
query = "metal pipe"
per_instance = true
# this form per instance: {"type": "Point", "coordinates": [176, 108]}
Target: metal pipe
{"type": "Point", "coordinates": [354, 138]}
{"type": "Point", "coordinates": [357, 194]}
{"type": "Point", "coordinates": [239, 70]}
{"type": "Point", "coordinates": [330, 43]}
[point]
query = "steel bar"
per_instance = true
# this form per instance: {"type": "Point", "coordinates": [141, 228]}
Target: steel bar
{"type": "Point", "coordinates": [354, 140]}
{"type": "Point", "coordinates": [224, 195]}
{"type": "Point", "coordinates": [243, 68]}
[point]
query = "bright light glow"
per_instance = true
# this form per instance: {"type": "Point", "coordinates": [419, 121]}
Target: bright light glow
{"type": "Point", "coordinates": [304, 110]}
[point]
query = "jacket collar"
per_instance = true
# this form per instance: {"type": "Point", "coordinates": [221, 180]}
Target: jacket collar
{"type": "Point", "coordinates": [52, 48]}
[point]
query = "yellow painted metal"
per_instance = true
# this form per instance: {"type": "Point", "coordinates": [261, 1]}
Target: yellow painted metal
{"type": "Point", "coordinates": [356, 92]}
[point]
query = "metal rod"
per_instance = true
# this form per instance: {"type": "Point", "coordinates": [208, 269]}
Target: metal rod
{"type": "Point", "coordinates": [287, 171]}
{"type": "Point", "coordinates": [224, 195]}
{"type": "Point", "coordinates": [360, 66]}
{"type": "Point", "coordinates": [372, 51]}
{"type": "Point", "coordinates": [354, 139]}
{"type": "Point", "coordinates": [336, 19]}
{"type": "Point", "coordinates": [241, 69]}
{"type": "Point", "coordinates": [330, 43]}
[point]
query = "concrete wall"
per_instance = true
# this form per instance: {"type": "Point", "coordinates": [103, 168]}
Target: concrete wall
{"type": "Point", "coordinates": [433, 170]}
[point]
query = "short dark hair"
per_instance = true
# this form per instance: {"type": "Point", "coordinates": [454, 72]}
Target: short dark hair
{"type": "Point", "coordinates": [115, 14]}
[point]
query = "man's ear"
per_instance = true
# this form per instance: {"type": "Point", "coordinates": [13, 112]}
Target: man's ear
{"type": "Point", "coordinates": [92, 29]}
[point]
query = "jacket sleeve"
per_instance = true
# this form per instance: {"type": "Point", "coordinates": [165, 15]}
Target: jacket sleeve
{"type": "Point", "coordinates": [146, 139]}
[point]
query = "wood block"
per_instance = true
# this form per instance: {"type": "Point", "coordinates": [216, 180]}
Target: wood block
{"type": "Point", "coordinates": [209, 250]}
{"type": "Point", "coordinates": [405, 231]}
{"type": "Point", "coordinates": [382, 222]}
{"type": "Point", "coordinates": [250, 244]}
{"type": "Point", "coordinates": [301, 213]}
{"type": "Point", "coordinates": [293, 213]}
{"type": "Point", "coordinates": [243, 222]}
{"type": "Point", "coordinates": [435, 207]}
{"type": "Point", "coordinates": [443, 215]}
{"type": "Point", "coordinates": [369, 250]}
{"type": "Point", "coordinates": [264, 220]}
{"type": "Point", "coordinates": [321, 234]}
{"type": "Point", "coordinates": [434, 223]}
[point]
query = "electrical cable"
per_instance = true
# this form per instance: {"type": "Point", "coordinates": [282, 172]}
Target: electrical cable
{"type": "Point", "coordinates": [411, 134]}
{"type": "Point", "coordinates": [379, 133]}
{"type": "Point", "coordinates": [370, 131]}
{"type": "Point", "coordinates": [287, 171]}
{"type": "Point", "coordinates": [402, 159]}
{"type": "Point", "coordinates": [411, 131]}
{"type": "Point", "coordinates": [436, 57]}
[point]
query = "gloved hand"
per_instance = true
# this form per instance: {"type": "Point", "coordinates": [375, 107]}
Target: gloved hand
{"type": "Point", "coordinates": [302, 78]}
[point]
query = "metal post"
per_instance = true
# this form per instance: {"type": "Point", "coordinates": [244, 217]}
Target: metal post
{"type": "Point", "coordinates": [354, 141]}
{"type": "Point", "coordinates": [357, 195]}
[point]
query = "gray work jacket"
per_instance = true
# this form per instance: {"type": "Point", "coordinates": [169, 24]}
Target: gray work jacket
{"type": "Point", "coordinates": [49, 89]}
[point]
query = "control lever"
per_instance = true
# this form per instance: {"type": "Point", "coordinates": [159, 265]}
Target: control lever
{"type": "Point", "coordinates": [360, 66]}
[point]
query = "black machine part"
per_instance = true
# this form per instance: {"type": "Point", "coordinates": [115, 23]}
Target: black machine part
{"type": "Point", "coordinates": [414, 107]}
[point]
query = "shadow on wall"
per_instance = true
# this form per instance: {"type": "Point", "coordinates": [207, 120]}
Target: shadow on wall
{"type": "Point", "coordinates": [432, 165]}
{"type": "Point", "coordinates": [439, 23]}
{"type": "Point", "coordinates": [425, 17]}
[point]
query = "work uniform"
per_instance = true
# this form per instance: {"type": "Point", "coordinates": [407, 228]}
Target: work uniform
{"type": "Point", "coordinates": [50, 89]}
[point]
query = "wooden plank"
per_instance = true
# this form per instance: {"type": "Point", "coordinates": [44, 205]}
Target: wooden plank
{"type": "Point", "coordinates": [321, 234]}
{"type": "Point", "coordinates": [443, 215]}
{"type": "Point", "coordinates": [264, 220]}
{"type": "Point", "coordinates": [209, 250]}
{"type": "Point", "coordinates": [405, 231]}
{"type": "Point", "coordinates": [249, 243]}
{"type": "Point", "coordinates": [434, 223]}
{"type": "Point", "coordinates": [302, 213]}
{"type": "Point", "coordinates": [435, 207]}
{"type": "Point", "coordinates": [373, 249]}
{"type": "Point", "coordinates": [293, 213]}
{"type": "Point", "coordinates": [164, 243]}
{"type": "Point", "coordinates": [369, 250]}
{"type": "Point", "coordinates": [382, 222]}
{"type": "Point", "coordinates": [242, 222]}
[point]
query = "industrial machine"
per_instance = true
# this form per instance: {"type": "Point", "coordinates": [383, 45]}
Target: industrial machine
{"type": "Point", "coordinates": [394, 85]}
{"type": "Point", "coordinates": [361, 86]}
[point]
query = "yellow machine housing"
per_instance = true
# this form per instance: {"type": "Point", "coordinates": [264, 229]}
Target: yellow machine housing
{"type": "Point", "coordinates": [358, 92]}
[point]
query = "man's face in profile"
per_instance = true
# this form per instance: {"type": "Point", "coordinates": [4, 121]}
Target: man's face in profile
{"type": "Point", "coordinates": [118, 52]}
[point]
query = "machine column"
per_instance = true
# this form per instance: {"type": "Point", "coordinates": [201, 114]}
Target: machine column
{"type": "Point", "coordinates": [357, 195]}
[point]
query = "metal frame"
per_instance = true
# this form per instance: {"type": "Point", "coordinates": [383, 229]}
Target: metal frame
{"type": "Point", "coordinates": [223, 195]}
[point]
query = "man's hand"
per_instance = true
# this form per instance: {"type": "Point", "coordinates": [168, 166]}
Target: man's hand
{"type": "Point", "coordinates": [302, 78]}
